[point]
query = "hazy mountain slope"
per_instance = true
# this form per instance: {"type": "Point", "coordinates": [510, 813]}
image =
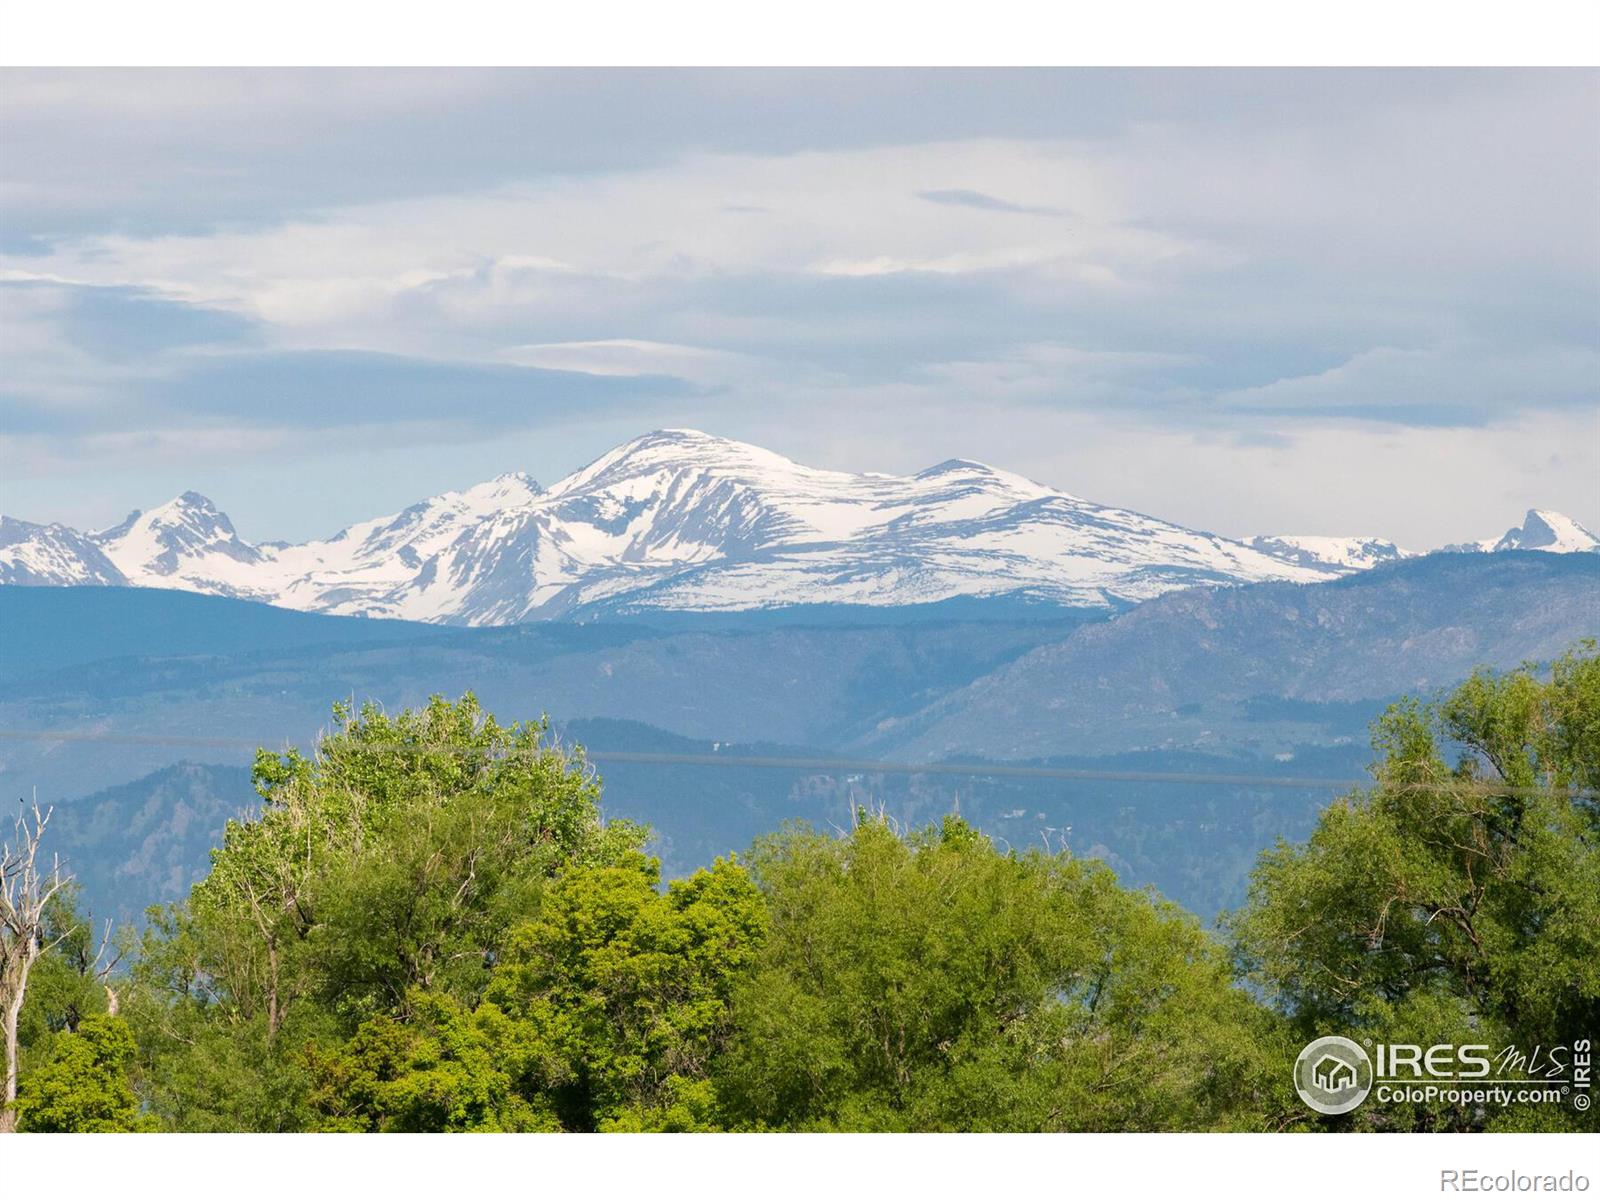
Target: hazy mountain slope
{"type": "Point", "coordinates": [1195, 842]}
{"type": "Point", "coordinates": [822, 685]}
{"type": "Point", "coordinates": [50, 629]}
{"type": "Point", "coordinates": [1267, 678]}
{"type": "Point", "coordinates": [1181, 670]}
{"type": "Point", "coordinates": [1256, 671]}
{"type": "Point", "coordinates": [144, 842]}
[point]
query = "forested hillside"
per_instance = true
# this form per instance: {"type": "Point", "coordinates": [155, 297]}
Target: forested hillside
{"type": "Point", "coordinates": [1244, 683]}
{"type": "Point", "coordinates": [1211, 666]}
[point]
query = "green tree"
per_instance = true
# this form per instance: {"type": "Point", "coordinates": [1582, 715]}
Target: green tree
{"type": "Point", "coordinates": [628, 989]}
{"type": "Point", "coordinates": [932, 982]}
{"type": "Point", "coordinates": [66, 979]}
{"type": "Point", "coordinates": [442, 1069]}
{"type": "Point", "coordinates": [83, 1087]}
{"type": "Point", "coordinates": [1458, 900]}
{"type": "Point", "coordinates": [607, 1012]}
{"type": "Point", "coordinates": [391, 864]}
{"type": "Point", "coordinates": [67, 983]}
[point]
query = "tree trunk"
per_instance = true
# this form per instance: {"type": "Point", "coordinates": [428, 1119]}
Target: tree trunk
{"type": "Point", "coordinates": [13, 1013]}
{"type": "Point", "coordinates": [25, 894]}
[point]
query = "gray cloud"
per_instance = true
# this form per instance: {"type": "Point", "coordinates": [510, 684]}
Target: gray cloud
{"type": "Point", "coordinates": [966, 198]}
{"type": "Point", "coordinates": [267, 262]}
{"type": "Point", "coordinates": [319, 391]}
{"type": "Point", "coordinates": [117, 324]}
{"type": "Point", "coordinates": [193, 149]}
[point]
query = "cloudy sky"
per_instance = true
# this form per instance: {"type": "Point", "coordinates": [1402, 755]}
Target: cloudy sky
{"type": "Point", "coordinates": [1315, 302]}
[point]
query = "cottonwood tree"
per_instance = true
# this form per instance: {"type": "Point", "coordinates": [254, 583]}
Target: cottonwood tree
{"type": "Point", "coordinates": [1457, 900]}
{"type": "Point", "coordinates": [26, 889]}
{"type": "Point", "coordinates": [383, 873]}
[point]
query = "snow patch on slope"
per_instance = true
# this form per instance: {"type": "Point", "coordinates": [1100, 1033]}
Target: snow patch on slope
{"type": "Point", "coordinates": [1333, 553]}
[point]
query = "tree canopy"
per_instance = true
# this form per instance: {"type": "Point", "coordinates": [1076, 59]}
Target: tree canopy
{"type": "Point", "coordinates": [430, 926]}
{"type": "Point", "coordinates": [932, 982]}
{"type": "Point", "coordinates": [391, 865]}
{"type": "Point", "coordinates": [1458, 900]}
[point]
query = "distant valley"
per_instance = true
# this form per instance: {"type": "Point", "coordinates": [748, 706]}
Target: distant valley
{"type": "Point", "coordinates": [1259, 680]}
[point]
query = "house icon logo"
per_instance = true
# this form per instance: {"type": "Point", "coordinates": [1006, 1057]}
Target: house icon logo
{"type": "Point", "coordinates": [1333, 1075]}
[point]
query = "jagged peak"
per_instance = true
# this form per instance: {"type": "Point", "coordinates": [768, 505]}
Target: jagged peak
{"type": "Point", "coordinates": [120, 528]}
{"type": "Point", "coordinates": [952, 465]}
{"type": "Point", "coordinates": [506, 490]}
{"type": "Point", "coordinates": [1339, 552]}
{"type": "Point", "coordinates": [1325, 539]}
{"type": "Point", "coordinates": [1547, 529]}
{"type": "Point", "coordinates": [180, 507]}
{"type": "Point", "coordinates": [19, 523]}
{"type": "Point", "coordinates": [188, 508]}
{"type": "Point", "coordinates": [1551, 519]}
{"type": "Point", "coordinates": [521, 477]}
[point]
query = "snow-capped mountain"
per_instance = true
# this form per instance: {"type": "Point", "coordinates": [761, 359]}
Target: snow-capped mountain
{"type": "Point", "coordinates": [185, 543]}
{"type": "Point", "coordinates": [680, 520]}
{"type": "Point", "coordinates": [1541, 529]}
{"type": "Point", "coordinates": [1343, 554]}
{"type": "Point", "coordinates": [683, 521]}
{"type": "Point", "coordinates": [52, 555]}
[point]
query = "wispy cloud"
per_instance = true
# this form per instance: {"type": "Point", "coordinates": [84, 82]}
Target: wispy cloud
{"type": "Point", "coordinates": [927, 264]}
{"type": "Point", "coordinates": [966, 198]}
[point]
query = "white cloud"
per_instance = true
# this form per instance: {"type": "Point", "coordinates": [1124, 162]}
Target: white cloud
{"type": "Point", "coordinates": [1452, 385]}
{"type": "Point", "coordinates": [1226, 283]}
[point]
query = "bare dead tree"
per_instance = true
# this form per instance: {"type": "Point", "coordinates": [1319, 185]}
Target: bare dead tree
{"type": "Point", "coordinates": [26, 889]}
{"type": "Point", "coordinates": [101, 967]}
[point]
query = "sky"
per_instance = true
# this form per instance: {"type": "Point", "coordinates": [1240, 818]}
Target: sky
{"type": "Point", "coordinates": [1316, 302]}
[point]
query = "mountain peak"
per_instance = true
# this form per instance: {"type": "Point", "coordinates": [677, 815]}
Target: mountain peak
{"type": "Point", "coordinates": [521, 477]}
{"type": "Point", "coordinates": [678, 450]}
{"type": "Point", "coordinates": [953, 465]}
{"type": "Point", "coordinates": [188, 508]}
{"type": "Point", "coordinates": [52, 555]}
{"type": "Point", "coordinates": [687, 441]}
{"type": "Point", "coordinates": [512, 489]}
{"type": "Point", "coordinates": [669, 438]}
{"type": "Point", "coordinates": [193, 511]}
{"type": "Point", "coordinates": [158, 544]}
{"type": "Point", "coordinates": [1541, 529]}
{"type": "Point", "coordinates": [1546, 529]}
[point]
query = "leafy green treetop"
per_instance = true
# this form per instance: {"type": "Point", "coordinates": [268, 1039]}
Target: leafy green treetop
{"type": "Point", "coordinates": [932, 982]}
{"type": "Point", "coordinates": [1457, 901]}
{"type": "Point", "coordinates": [391, 864]}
